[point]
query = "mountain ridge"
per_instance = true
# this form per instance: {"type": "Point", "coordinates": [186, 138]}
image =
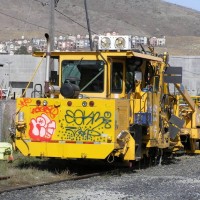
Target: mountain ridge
{"type": "Point", "coordinates": [136, 17]}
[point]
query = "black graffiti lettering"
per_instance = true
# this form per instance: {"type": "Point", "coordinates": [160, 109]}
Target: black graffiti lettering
{"type": "Point", "coordinates": [93, 118]}
{"type": "Point", "coordinates": [86, 134]}
{"type": "Point", "coordinates": [78, 122]}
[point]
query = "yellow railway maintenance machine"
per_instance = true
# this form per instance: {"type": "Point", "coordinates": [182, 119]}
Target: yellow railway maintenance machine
{"type": "Point", "coordinates": [110, 103]}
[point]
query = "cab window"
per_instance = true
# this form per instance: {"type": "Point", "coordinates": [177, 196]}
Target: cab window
{"type": "Point", "coordinates": [89, 74]}
{"type": "Point", "coordinates": [117, 78]}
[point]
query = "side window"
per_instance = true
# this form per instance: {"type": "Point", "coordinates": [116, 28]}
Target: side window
{"type": "Point", "coordinates": [117, 78]}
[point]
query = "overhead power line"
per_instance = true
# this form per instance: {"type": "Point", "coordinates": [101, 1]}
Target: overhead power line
{"type": "Point", "coordinates": [39, 1]}
{"type": "Point", "coordinates": [191, 72]}
{"type": "Point", "coordinates": [56, 2]}
{"type": "Point", "coordinates": [73, 20]}
{"type": "Point", "coordinates": [28, 16]}
{"type": "Point", "coordinates": [39, 26]}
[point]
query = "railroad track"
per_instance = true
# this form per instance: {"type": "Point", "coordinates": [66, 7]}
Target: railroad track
{"type": "Point", "coordinates": [71, 178]}
{"type": "Point", "coordinates": [47, 183]}
{"type": "Point", "coordinates": [101, 170]}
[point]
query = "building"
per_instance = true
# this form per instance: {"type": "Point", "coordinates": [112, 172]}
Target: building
{"type": "Point", "coordinates": [137, 40]}
{"type": "Point", "coordinates": [161, 41]}
{"type": "Point", "coordinates": [154, 41]}
{"type": "Point", "coordinates": [17, 71]}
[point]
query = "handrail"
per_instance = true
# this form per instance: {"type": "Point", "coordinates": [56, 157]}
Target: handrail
{"type": "Point", "coordinates": [33, 75]}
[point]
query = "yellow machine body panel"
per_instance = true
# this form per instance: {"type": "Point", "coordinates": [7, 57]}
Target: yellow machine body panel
{"type": "Point", "coordinates": [72, 128]}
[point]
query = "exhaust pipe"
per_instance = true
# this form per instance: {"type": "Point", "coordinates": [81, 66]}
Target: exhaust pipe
{"type": "Point", "coordinates": [46, 86]}
{"type": "Point", "coordinates": [49, 90]}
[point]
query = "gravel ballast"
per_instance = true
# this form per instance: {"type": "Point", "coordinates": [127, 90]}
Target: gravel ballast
{"type": "Point", "coordinates": [177, 180]}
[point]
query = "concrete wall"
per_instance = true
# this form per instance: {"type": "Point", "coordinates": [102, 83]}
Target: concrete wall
{"type": "Point", "coordinates": [21, 68]}
{"type": "Point", "coordinates": [191, 72]}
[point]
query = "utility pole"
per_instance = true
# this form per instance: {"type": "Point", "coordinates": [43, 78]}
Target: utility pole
{"type": "Point", "coordinates": [52, 24]}
{"type": "Point", "coordinates": [88, 25]}
{"type": "Point", "coordinates": [53, 4]}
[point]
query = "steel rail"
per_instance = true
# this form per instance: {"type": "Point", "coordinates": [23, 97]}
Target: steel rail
{"type": "Point", "coordinates": [10, 189]}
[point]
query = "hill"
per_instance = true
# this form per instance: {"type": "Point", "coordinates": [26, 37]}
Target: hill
{"type": "Point", "coordinates": [180, 25]}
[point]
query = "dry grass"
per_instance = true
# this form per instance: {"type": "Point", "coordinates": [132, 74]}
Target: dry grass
{"type": "Point", "coordinates": [25, 171]}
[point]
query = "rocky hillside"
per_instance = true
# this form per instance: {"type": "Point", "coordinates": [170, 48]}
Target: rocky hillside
{"type": "Point", "coordinates": [180, 25]}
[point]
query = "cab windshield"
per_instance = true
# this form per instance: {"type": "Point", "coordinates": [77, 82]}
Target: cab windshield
{"type": "Point", "coordinates": [88, 74]}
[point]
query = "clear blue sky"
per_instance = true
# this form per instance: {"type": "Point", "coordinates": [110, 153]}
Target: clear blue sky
{"type": "Point", "coordinates": [194, 4]}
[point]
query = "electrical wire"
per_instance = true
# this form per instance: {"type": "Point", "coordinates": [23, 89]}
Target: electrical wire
{"type": "Point", "coordinates": [73, 20]}
{"type": "Point", "coordinates": [67, 17]}
{"type": "Point", "coordinates": [38, 1]}
{"type": "Point", "coordinates": [186, 57]}
{"type": "Point", "coordinates": [191, 72]}
{"type": "Point", "coordinates": [39, 26]}
{"type": "Point", "coordinates": [28, 17]}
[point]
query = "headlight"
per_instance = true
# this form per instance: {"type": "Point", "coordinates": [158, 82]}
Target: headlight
{"type": "Point", "coordinates": [120, 43]}
{"type": "Point", "coordinates": [105, 42]}
{"type": "Point", "coordinates": [84, 103]}
{"type": "Point", "coordinates": [21, 116]}
{"type": "Point", "coordinates": [45, 103]}
{"type": "Point", "coordinates": [114, 42]}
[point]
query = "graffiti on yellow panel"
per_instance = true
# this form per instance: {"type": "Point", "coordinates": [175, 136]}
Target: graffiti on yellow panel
{"type": "Point", "coordinates": [42, 128]}
{"type": "Point", "coordinates": [49, 110]}
{"type": "Point", "coordinates": [24, 102]}
{"type": "Point", "coordinates": [89, 126]}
